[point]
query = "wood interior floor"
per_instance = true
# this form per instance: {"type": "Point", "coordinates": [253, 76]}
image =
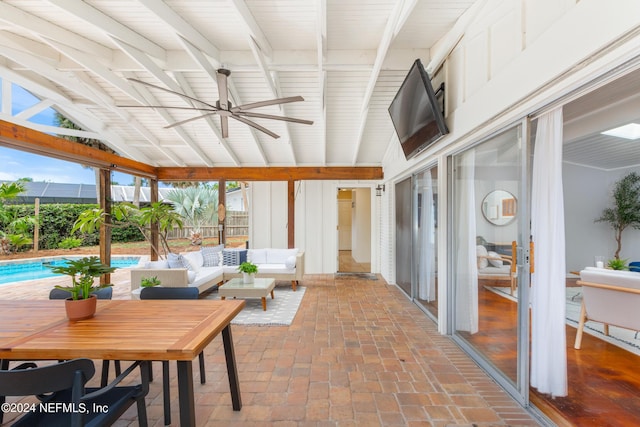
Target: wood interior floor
{"type": "Point", "coordinates": [604, 380]}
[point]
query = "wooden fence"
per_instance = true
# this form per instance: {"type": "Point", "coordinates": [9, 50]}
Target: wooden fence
{"type": "Point", "coordinates": [236, 224]}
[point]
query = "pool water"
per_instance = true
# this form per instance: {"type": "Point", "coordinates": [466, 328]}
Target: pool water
{"type": "Point", "coordinates": [37, 269]}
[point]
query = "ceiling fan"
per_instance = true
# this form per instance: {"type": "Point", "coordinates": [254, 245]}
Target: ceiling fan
{"type": "Point", "coordinates": [224, 109]}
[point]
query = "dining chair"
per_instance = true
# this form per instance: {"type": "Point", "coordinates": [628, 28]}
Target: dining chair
{"type": "Point", "coordinates": [102, 293]}
{"type": "Point", "coordinates": [62, 385]}
{"type": "Point", "coordinates": [154, 292]}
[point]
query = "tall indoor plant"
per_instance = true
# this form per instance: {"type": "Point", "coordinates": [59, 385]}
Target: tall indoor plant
{"type": "Point", "coordinates": [83, 272]}
{"type": "Point", "coordinates": [625, 210]}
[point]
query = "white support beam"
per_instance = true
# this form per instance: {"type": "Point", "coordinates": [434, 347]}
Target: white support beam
{"type": "Point", "coordinates": [252, 27]}
{"type": "Point", "coordinates": [181, 27]}
{"type": "Point", "coordinates": [391, 29]}
{"type": "Point", "coordinates": [110, 26]}
{"type": "Point", "coordinates": [7, 97]}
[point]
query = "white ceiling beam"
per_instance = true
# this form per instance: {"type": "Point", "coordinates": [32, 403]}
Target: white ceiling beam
{"type": "Point", "coordinates": [38, 26]}
{"type": "Point", "coordinates": [7, 98]}
{"type": "Point", "coordinates": [182, 28]}
{"type": "Point", "coordinates": [274, 88]}
{"type": "Point", "coordinates": [90, 64]}
{"type": "Point", "coordinates": [37, 108]}
{"type": "Point", "coordinates": [391, 29]}
{"type": "Point", "coordinates": [252, 27]}
{"type": "Point", "coordinates": [110, 26]}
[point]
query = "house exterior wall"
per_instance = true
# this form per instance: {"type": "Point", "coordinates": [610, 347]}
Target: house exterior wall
{"type": "Point", "coordinates": [514, 59]}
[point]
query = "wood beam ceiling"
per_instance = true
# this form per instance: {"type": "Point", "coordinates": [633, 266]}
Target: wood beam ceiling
{"type": "Point", "coordinates": [25, 139]}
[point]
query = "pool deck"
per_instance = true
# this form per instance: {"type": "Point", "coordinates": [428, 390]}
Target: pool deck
{"type": "Point", "coordinates": [40, 288]}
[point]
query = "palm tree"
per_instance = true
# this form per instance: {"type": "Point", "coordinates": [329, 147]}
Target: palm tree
{"type": "Point", "coordinates": [198, 206]}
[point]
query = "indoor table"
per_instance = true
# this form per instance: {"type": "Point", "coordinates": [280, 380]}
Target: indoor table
{"type": "Point", "coordinates": [124, 330]}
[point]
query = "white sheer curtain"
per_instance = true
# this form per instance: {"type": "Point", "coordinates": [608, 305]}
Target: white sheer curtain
{"type": "Point", "coordinates": [548, 337]}
{"type": "Point", "coordinates": [427, 264]}
{"type": "Point", "coordinates": [466, 260]}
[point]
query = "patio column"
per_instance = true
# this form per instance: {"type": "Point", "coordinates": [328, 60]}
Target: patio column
{"type": "Point", "coordinates": [291, 214]}
{"type": "Point", "coordinates": [105, 228]}
{"type": "Point", "coordinates": [222, 204]}
{"type": "Point", "coordinates": [155, 235]}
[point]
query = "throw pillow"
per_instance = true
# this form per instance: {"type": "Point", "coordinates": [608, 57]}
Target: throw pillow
{"type": "Point", "coordinates": [290, 263]}
{"type": "Point", "coordinates": [211, 255]}
{"type": "Point", "coordinates": [481, 253]}
{"type": "Point", "coordinates": [194, 259]}
{"type": "Point", "coordinates": [191, 276]}
{"type": "Point", "coordinates": [161, 263]}
{"type": "Point", "coordinates": [177, 261]}
{"type": "Point", "coordinates": [497, 262]}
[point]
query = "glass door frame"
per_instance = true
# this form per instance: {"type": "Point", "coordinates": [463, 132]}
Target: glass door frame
{"type": "Point", "coordinates": [520, 390]}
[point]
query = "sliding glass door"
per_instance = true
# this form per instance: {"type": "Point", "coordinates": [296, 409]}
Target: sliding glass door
{"type": "Point", "coordinates": [488, 224]}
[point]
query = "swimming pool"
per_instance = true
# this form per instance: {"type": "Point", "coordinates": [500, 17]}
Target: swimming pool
{"type": "Point", "coordinates": [19, 271]}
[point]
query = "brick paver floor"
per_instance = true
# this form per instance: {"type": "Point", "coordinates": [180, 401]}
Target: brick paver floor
{"type": "Point", "coordinates": [357, 354]}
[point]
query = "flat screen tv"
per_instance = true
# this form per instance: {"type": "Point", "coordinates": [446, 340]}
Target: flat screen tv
{"type": "Point", "coordinates": [416, 113]}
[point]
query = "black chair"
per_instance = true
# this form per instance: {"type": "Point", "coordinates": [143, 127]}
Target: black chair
{"type": "Point", "coordinates": [102, 293]}
{"type": "Point", "coordinates": [172, 293]}
{"type": "Point", "coordinates": [62, 385]}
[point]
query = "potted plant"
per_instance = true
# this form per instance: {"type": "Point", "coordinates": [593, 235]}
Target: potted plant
{"type": "Point", "coordinates": [624, 211]}
{"type": "Point", "coordinates": [82, 304]}
{"type": "Point", "coordinates": [148, 282]}
{"type": "Point", "coordinates": [617, 264]}
{"type": "Point", "coordinates": [248, 270]}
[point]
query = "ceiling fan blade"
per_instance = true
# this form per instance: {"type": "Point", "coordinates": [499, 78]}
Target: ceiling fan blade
{"type": "Point", "coordinates": [224, 126]}
{"type": "Point", "coordinates": [189, 120]}
{"type": "Point", "coordinates": [267, 103]}
{"type": "Point", "coordinates": [272, 117]}
{"type": "Point", "coordinates": [257, 126]}
{"type": "Point", "coordinates": [182, 95]}
{"type": "Point", "coordinates": [221, 78]}
{"type": "Point", "coordinates": [168, 107]}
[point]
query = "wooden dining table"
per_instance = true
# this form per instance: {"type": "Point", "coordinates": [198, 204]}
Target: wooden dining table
{"type": "Point", "coordinates": [124, 330]}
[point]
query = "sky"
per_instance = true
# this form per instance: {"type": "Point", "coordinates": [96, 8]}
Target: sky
{"type": "Point", "coordinates": [15, 164]}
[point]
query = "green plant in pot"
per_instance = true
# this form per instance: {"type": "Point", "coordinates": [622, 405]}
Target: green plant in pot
{"type": "Point", "coordinates": [248, 270]}
{"type": "Point", "coordinates": [149, 282]}
{"type": "Point", "coordinates": [617, 264]}
{"type": "Point", "coordinates": [83, 273]}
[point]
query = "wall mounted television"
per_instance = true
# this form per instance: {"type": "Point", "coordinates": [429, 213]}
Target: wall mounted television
{"type": "Point", "coordinates": [415, 112]}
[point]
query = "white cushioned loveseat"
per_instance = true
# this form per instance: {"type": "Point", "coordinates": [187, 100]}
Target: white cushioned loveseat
{"type": "Point", "coordinates": [201, 269]}
{"type": "Point", "coordinates": [279, 264]}
{"type": "Point", "coordinates": [205, 270]}
{"type": "Point", "coordinates": [611, 297]}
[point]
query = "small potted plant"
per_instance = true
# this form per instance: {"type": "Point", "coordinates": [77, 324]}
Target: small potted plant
{"type": "Point", "coordinates": [82, 304]}
{"type": "Point", "coordinates": [248, 270]}
{"type": "Point", "coordinates": [618, 264]}
{"type": "Point", "coordinates": [149, 282]}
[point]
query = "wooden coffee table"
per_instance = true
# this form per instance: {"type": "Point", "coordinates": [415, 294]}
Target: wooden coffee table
{"type": "Point", "coordinates": [260, 288]}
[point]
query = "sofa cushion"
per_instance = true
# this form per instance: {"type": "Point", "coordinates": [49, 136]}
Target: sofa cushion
{"type": "Point", "coordinates": [497, 262]}
{"type": "Point", "coordinates": [161, 263]}
{"type": "Point", "coordinates": [290, 262]}
{"type": "Point", "coordinates": [266, 269]}
{"type": "Point", "coordinates": [481, 253]}
{"type": "Point", "coordinates": [177, 261]}
{"type": "Point", "coordinates": [191, 276]}
{"type": "Point", "coordinates": [211, 255]}
{"type": "Point", "coordinates": [279, 256]}
{"type": "Point", "coordinates": [257, 256]}
{"type": "Point", "coordinates": [194, 259]}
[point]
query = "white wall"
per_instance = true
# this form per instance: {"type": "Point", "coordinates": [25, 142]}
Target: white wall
{"type": "Point", "coordinates": [587, 192]}
{"type": "Point", "coordinates": [361, 225]}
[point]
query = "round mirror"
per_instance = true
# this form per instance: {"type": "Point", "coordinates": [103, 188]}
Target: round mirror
{"type": "Point", "coordinates": [499, 207]}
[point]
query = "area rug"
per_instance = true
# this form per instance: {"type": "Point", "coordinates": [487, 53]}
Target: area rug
{"type": "Point", "coordinates": [623, 338]}
{"type": "Point", "coordinates": [280, 311]}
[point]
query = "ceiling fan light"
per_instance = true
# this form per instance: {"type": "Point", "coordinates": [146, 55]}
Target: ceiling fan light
{"type": "Point", "coordinates": [628, 131]}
